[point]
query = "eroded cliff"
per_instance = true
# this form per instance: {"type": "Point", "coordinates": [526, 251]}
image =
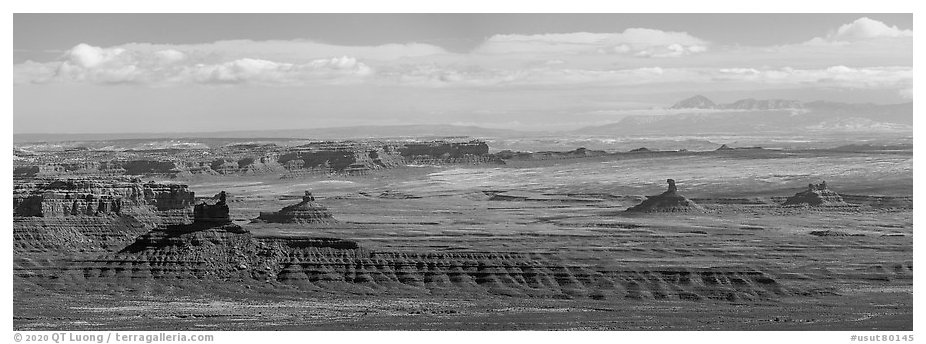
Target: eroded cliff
{"type": "Point", "coordinates": [348, 157]}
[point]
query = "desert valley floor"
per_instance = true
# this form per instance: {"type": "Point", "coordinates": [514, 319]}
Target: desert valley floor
{"type": "Point", "coordinates": [527, 245]}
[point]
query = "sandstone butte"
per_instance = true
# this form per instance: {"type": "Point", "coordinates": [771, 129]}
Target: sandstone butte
{"type": "Point", "coordinates": [816, 195]}
{"type": "Point", "coordinates": [669, 201]}
{"type": "Point", "coordinates": [306, 212]}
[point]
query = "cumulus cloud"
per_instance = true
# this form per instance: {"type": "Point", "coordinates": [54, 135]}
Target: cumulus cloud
{"type": "Point", "coordinates": [170, 55]}
{"type": "Point", "coordinates": [337, 70]}
{"type": "Point", "coordinates": [862, 29]}
{"type": "Point", "coordinates": [633, 57]}
{"type": "Point", "coordinates": [119, 65]}
{"type": "Point", "coordinates": [865, 28]}
{"type": "Point", "coordinates": [291, 51]}
{"type": "Point", "coordinates": [633, 41]}
{"type": "Point", "coordinates": [160, 67]}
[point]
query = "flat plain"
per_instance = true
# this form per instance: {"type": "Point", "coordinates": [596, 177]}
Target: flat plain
{"type": "Point", "coordinates": [535, 245]}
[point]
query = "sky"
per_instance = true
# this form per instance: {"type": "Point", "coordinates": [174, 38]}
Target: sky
{"type": "Point", "coordinates": [111, 73]}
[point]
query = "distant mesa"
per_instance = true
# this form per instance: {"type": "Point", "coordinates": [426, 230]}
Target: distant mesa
{"type": "Point", "coordinates": [306, 212]}
{"type": "Point", "coordinates": [816, 195]}
{"type": "Point", "coordinates": [394, 194]}
{"type": "Point", "coordinates": [702, 102]}
{"type": "Point", "coordinates": [832, 233]}
{"type": "Point", "coordinates": [669, 201]}
{"type": "Point", "coordinates": [584, 152]}
{"type": "Point", "coordinates": [641, 150]}
{"type": "Point", "coordinates": [725, 148]}
{"type": "Point", "coordinates": [97, 196]}
{"type": "Point", "coordinates": [696, 102]}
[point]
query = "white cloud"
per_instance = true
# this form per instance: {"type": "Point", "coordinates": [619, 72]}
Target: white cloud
{"type": "Point", "coordinates": [291, 51]}
{"type": "Point", "coordinates": [862, 29]}
{"type": "Point", "coordinates": [633, 41]}
{"type": "Point", "coordinates": [162, 67]}
{"type": "Point", "coordinates": [338, 70]}
{"type": "Point", "coordinates": [242, 70]}
{"type": "Point", "coordinates": [87, 56]}
{"type": "Point", "coordinates": [866, 28]}
{"type": "Point", "coordinates": [170, 55]}
{"type": "Point", "coordinates": [32, 72]}
{"type": "Point", "coordinates": [633, 57]}
{"type": "Point", "coordinates": [116, 65]}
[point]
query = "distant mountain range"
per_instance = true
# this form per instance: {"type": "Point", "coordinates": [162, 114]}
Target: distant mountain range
{"type": "Point", "coordinates": [700, 115]}
{"type": "Point", "coordinates": [697, 115]}
{"type": "Point", "coordinates": [702, 102]}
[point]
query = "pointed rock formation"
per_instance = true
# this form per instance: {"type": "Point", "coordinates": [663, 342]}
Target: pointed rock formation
{"type": "Point", "coordinates": [306, 212]}
{"type": "Point", "coordinates": [816, 195]}
{"type": "Point", "coordinates": [724, 147]}
{"type": "Point", "coordinates": [669, 201]}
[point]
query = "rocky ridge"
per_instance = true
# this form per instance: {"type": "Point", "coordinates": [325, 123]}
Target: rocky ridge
{"type": "Point", "coordinates": [702, 102]}
{"type": "Point", "coordinates": [84, 215]}
{"type": "Point", "coordinates": [349, 157]}
{"type": "Point", "coordinates": [332, 265]}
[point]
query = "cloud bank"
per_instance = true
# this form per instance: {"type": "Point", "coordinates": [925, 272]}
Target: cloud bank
{"type": "Point", "coordinates": [636, 56]}
{"type": "Point", "coordinates": [120, 65]}
{"type": "Point", "coordinates": [634, 42]}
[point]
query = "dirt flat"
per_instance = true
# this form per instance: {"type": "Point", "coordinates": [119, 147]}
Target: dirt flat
{"type": "Point", "coordinates": [567, 214]}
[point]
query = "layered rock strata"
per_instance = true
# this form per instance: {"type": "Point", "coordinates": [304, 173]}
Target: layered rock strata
{"type": "Point", "coordinates": [89, 197]}
{"type": "Point", "coordinates": [335, 265]}
{"type": "Point", "coordinates": [349, 157]}
{"type": "Point", "coordinates": [89, 215]}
